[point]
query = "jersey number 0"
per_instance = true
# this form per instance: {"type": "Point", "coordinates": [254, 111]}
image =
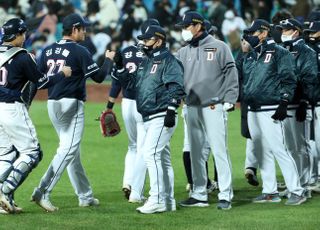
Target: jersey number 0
{"type": "Point", "coordinates": [3, 75]}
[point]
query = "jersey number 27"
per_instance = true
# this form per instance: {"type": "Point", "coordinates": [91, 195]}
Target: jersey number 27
{"type": "Point", "coordinates": [55, 66]}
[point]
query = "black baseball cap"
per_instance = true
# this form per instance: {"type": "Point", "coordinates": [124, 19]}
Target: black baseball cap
{"type": "Point", "coordinates": [211, 29]}
{"type": "Point", "coordinates": [313, 27]}
{"type": "Point", "coordinates": [190, 17]}
{"type": "Point", "coordinates": [153, 31]}
{"type": "Point", "coordinates": [258, 24]}
{"type": "Point", "coordinates": [290, 24]}
{"type": "Point", "coordinates": [149, 22]}
{"type": "Point", "coordinates": [12, 27]}
{"type": "Point", "coordinates": [74, 20]}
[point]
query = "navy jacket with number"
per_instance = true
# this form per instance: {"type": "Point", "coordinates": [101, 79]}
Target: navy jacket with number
{"type": "Point", "coordinates": [158, 82]}
{"type": "Point", "coordinates": [268, 76]}
{"type": "Point", "coordinates": [18, 71]}
{"type": "Point", "coordinates": [69, 53]}
{"type": "Point", "coordinates": [132, 58]}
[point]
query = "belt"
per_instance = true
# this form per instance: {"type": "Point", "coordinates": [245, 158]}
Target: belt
{"type": "Point", "coordinates": [272, 107]}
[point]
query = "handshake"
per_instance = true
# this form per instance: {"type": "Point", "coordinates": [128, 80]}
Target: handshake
{"type": "Point", "coordinates": [116, 57]}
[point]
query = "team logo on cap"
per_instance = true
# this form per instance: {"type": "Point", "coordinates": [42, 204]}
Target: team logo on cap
{"type": "Point", "coordinates": [311, 24]}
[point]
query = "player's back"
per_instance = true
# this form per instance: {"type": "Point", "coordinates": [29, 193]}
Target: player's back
{"type": "Point", "coordinates": [14, 74]}
{"type": "Point", "coordinates": [67, 53]}
{"type": "Point", "coordinates": [132, 58]}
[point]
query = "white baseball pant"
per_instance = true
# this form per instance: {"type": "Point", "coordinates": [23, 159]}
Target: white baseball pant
{"type": "Point", "coordinates": [268, 138]}
{"type": "Point", "coordinates": [67, 117]}
{"type": "Point", "coordinates": [211, 124]}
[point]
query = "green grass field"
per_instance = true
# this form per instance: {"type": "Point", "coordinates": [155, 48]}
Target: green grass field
{"type": "Point", "coordinates": [103, 159]}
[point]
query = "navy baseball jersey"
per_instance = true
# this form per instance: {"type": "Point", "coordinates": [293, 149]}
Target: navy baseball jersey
{"type": "Point", "coordinates": [132, 58]}
{"type": "Point", "coordinates": [16, 72]}
{"type": "Point", "coordinates": [69, 53]}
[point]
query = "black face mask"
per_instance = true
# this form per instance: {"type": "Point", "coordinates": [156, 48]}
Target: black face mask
{"type": "Point", "coordinates": [147, 49]}
{"type": "Point", "coordinates": [252, 40]}
{"type": "Point", "coordinates": [313, 40]}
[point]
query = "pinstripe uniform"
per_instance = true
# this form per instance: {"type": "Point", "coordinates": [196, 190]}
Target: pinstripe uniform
{"type": "Point", "coordinates": [17, 132]}
{"type": "Point", "coordinates": [66, 112]}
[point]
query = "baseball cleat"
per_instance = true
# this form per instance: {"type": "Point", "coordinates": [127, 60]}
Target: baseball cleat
{"type": "Point", "coordinates": [6, 203]}
{"type": "Point", "coordinates": [3, 212]}
{"type": "Point", "coordinates": [126, 190]}
{"type": "Point", "coordinates": [92, 202]}
{"type": "Point", "coordinates": [150, 207]}
{"type": "Point", "coordinates": [191, 202]}
{"type": "Point", "coordinates": [295, 199]}
{"type": "Point", "coordinates": [38, 198]}
{"type": "Point", "coordinates": [17, 208]}
{"type": "Point", "coordinates": [251, 177]}
{"type": "Point", "coordinates": [267, 198]}
{"type": "Point", "coordinates": [224, 205]}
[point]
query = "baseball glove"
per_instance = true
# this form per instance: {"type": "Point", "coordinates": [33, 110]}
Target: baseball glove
{"type": "Point", "coordinates": [108, 124]}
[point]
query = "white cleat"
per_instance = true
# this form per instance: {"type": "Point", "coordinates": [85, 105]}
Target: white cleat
{"type": "Point", "coordinates": [6, 203]}
{"type": "Point", "coordinates": [47, 205]}
{"type": "Point", "coordinates": [92, 202]}
{"type": "Point", "coordinates": [150, 207]}
{"type": "Point", "coordinates": [3, 212]}
{"type": "Point", "coordinates": [38, 198]}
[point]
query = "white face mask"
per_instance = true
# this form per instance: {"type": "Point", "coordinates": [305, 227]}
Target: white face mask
{"type": "Point", "coordinates": [186, 35]}
{"type": "Point", "coordinates": [286, 38]}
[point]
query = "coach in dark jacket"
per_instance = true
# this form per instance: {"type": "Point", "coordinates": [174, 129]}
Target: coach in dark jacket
{"type": "Point", "coordinates": [298, 140]}
{"type": "Point", "coordinates": [269, 86]}
{"type": "Point", "coordinates": [159, 90]}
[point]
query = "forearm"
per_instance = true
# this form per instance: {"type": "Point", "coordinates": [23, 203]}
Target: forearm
{"type": "Point", "coordinates": [104, 70]}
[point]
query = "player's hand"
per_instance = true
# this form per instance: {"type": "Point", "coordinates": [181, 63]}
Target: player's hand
{"type": "Point", "coordinates": [118, 60]}
{"type": "Point", "coordinates": [67, 71]}
{"type": "Point", "coordinates": [170, 118]}
{"type": "Point", "coordinates": [281, 111]}
{"type": "Point", "coordinates": [109, 54]}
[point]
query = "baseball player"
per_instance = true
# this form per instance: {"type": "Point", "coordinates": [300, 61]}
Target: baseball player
{"type": "Point", "coordinates": [211, 84]}
{"type": "Point", "coordinates": [66, 110]}
{"type": "Point", "coordinates": [312, 34]}
{"type": "Point", "coordinates": [298, 128]}
{"type": "Point", "coordinates": [269, 84]}
{"type": "Point", "coordinates": [20, 150]}
{"type": "Point", "coordinates": [159, 89]}
{"type": "Point", "coordinates": [135, 168]}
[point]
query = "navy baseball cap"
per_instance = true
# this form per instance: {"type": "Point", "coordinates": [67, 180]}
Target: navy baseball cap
{"type": "Point", "coordinates": [74, 20]}
{"type": "Point", "coordinates": [258, 24]}
{"type": "Point", "coordinates": [313, 27]}
{"type": "Point", "coordinates": [290, 24]}
{"type": "Point", "coordinates": [149, 22]}
{"type": "Point", "coordinates": [153, 31]}
{"type": "Point", "coordinates": [190, 17]}
{"type": "Point", "coordinates": [12, 27]}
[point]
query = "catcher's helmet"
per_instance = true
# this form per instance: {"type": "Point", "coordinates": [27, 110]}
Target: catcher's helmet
{"type": "Point", "coordinates": [13, 27]}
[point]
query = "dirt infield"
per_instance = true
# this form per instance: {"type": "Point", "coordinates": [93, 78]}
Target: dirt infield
{"type": "Point", "coordinates": [95, 93]}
